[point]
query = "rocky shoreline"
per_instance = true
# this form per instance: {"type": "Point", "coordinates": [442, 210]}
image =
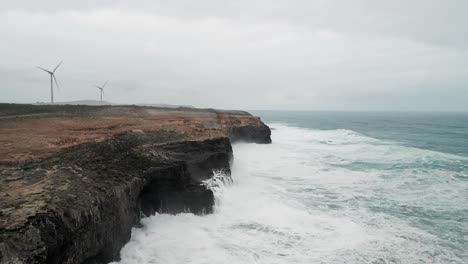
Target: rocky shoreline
{"type": "Point", "coordinates": [76, 179]}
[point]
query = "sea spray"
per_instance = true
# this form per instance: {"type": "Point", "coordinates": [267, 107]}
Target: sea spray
{"type": "Point", "coordinates": [320, 196]}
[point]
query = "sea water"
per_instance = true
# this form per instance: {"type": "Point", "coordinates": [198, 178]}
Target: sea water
{"type": "Point", "coordinates": [331, 188]}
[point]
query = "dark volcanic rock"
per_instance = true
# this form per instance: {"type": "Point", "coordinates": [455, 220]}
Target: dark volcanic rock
{"type": "Point", "coordinates": [78, 204]}
{"type": "Point", "coordinates": [258, 133]}
{"type": "Point", "coordinates": [95, 193]}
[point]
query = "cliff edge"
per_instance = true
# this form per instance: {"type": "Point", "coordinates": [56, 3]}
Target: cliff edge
{"type": "Point", "coordinates": [74, 180]}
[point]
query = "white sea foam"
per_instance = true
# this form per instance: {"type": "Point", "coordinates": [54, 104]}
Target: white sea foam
{"type": "Point", "coordinates": [317, 197]}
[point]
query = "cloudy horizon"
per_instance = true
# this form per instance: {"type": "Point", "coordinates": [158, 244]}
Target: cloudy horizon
{"type": "Point", "coordinates": [286, 55]}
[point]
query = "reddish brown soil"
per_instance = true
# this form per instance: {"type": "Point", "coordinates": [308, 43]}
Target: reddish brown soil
{"type": "Point", "coordinates": [40, 132]}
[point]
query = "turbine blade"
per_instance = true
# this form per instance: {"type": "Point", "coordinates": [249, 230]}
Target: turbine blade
{"type": "Point", "coordinates": [57, 67]}
{"type": "Point", "coordinates": [58, 87]}
{"type": "Point", "coordinates": [104, 84]}
{"type": "Point", "coordinates": [43, 69]}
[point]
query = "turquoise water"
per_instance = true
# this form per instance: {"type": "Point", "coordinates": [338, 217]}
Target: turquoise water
{"type": "Point", "coordinates": [331, 188]}
{"type": "Point", "coordinates": [444, 132]}
{"type": "Point", "coordinates": [428, 190]}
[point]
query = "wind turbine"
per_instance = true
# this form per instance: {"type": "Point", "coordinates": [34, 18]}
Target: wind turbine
{"type": "Point", "coordinates": [102, 89]}
{"type": "Point", "coordinates": [52, 79]}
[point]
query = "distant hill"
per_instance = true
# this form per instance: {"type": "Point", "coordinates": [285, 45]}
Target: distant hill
{"type": "Point", "coordinates": [96, 102]}
{"type": "Point", "coordinates": [79, 102]}
{"type": "Point", "coordinates": [166, 105]}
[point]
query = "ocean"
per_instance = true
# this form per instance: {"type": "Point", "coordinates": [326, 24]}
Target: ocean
{"type": "Point", "coordinates": [332, 188]}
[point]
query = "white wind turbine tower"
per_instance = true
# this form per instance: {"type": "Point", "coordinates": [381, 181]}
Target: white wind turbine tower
{"type": "Point", "coordinates": [52, 79]}
{"type": "Point", "coordinates": [102, 89]}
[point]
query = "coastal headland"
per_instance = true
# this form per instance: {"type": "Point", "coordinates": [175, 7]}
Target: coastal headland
{"type": "Point", "coordinates": [75, 179]}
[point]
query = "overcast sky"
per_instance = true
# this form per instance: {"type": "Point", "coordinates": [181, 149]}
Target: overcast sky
{"type": "Point", "coordinates": [243, 54]}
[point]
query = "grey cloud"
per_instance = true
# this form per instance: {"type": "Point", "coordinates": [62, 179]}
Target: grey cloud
{"type": "Point", "coordinates": [260, 54]}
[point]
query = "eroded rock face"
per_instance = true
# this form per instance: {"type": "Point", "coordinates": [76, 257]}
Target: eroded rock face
{"type": "Point", "coordinates": [95, 193]}
{"type": "Point", "coordinates": [77, 204]}
{"type": "Point", "coordinates": [258, 133]}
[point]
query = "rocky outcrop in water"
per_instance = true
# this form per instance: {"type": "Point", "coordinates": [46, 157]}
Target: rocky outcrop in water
{"type": "Point", "coordinates": [72, 193]}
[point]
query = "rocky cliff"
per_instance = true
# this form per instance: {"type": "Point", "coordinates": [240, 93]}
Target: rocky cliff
{"type": "Point", "coordinates": [74, 180]}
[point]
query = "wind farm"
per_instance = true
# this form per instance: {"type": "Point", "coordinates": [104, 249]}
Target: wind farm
{"type": "Point", "coordinates": [53, 79]}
